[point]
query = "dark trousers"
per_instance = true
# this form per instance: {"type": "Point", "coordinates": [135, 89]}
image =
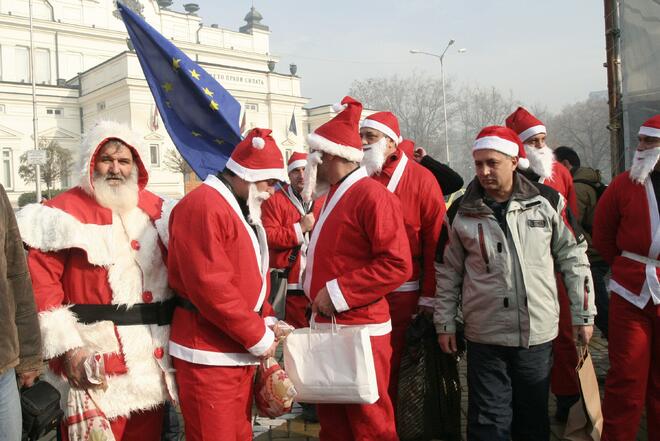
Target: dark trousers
{"type": "Point", "coordinates": [508, 391]}
{"type": "Point", "coordinates": [602, 296]}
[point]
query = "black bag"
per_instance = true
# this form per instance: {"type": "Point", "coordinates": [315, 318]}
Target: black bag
{"type": "Point", "coordinates": [40, 406]}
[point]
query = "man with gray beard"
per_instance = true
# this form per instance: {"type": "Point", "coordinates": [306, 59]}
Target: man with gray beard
{"type": "Point", "coordinates": [96, 254]}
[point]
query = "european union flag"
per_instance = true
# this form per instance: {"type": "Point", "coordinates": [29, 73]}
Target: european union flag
{"type": "Point", "coordinates": [199, 114]}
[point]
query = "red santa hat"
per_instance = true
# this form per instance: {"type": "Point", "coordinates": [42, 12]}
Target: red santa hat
{"type": "Point", "coordinates": [651, 127]}
{"type": "Point", "coordinates": [503, 140]}
{"type": "Point", "coordinates": [297, 160]}
{"type": "Point", "coordinates": [525, 124]}
{"type": "Point", "coordinates": [407, 146]}
{"type": "Point", "coordinates": [340, 136]}
{"type": "Point", "coordinates": [386, 123]}
{"type": "Point", "coordinates": [257, 158]}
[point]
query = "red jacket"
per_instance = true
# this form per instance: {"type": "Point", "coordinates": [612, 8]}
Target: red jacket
{"type": "Point", "coordinates": [423, 209]}
{"type": "Point", "coordinates": [281, 214]}
{"type": "Point", "coordinates": [562, 181]}
{"type": "Point", "coordinates": [627, 220]}
{"type": "Point", "coordinates": [219, 264]}
{"type": "Point", "coordinates": [359, 251]}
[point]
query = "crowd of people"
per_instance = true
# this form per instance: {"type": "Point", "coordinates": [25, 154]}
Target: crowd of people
{"type": "Point", "coordinates": [170, 298]}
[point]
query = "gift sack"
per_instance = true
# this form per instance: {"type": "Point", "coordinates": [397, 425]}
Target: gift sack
{"type": "Point", "coordinates": [85, 421]}
{"type": "Point", "coordinates": [585, 419]}
{"type": "Point", "coordinates": [274, 392]}
{"type": "Point", "coordinates": [331, 364]}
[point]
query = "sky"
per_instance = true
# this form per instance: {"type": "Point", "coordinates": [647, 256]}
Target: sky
{"type": "Point", "coordinates": [546, 53]}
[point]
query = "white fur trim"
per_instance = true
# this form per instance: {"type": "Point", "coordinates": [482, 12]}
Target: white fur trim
{"type": "Point", "coordinates": [51, 229]}
{"type": "Point", "coordinates": [338, 107]}
{"type": "Point", "coordinates": [649, 131]}
{"type": "Point", "coordinates": [496, 143]}
{"type": "Point", "coordinates": [258, 143]}
{"type": "Point", "coordinates": [94, 136]}
{"type": "Point", "coordinates": [426, 301]}
{"type": "Point", "coordinates": [318, 142]}
{"type": "Point", "coordinates": [523, 163]}
{"type": "Point", "coordinates": [337, 296]}
{"type": "Point", "coordinates": [296, 164]}
{"type": "Point", "coordinates": [263, 344]}
{"type": "Point", "coordinates": [162, 223]}
{"type": "Point", "coordinates": [534, 130]}
{"type": "Point", "coordinates": [254, 174]}
{"type": "Point", "coordinates": [299, 234]}
{"type": "Point", "coordinates": [386, 130]}
{"type": "Point", "coordinates": [212, 358]}
{"type": "Point", "coordinates": [58, 331]}
{"type": "Point", "coordinates": [409, 286]}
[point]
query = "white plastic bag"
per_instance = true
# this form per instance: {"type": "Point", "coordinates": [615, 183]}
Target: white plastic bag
{"type": "Point", "coordinates": [331, 364]}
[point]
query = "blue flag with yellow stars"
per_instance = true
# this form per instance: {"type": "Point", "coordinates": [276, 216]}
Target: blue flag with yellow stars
{"type": "Point", "coordinates": [199, 114]}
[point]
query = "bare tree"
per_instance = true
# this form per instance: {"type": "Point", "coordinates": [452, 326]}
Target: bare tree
{"type": "Point", "coordinates": [58, 165]}
{"type": "Point", "coordinates": [175, 163]}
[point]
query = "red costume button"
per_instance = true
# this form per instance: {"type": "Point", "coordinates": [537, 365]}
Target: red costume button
{"type": "Point", "coordinates": [147, 297]}
{"type": "Point", "coordinates": [158, 353]}
{"type": "Point", "coordinates": [135, 245]}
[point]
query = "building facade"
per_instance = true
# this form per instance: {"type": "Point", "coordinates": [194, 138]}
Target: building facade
{"type": "Point", "coordinates": [84, 71]}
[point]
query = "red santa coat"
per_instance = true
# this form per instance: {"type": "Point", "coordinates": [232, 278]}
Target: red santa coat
{"type": "Point", "coordinates": [82, 253]}
{"type": "Point", "coordinates": [359, 251]}
{"type": "Point", "coordinates": [281, 215]}
{"type": "Point", "coordinates": [423, 209]}
{"type": "Point", "coordinates": [562, 181]}
{"type": "Point", "coordinates": [219, 264]}
{"type": "Point", "coordinates": [627, 221]}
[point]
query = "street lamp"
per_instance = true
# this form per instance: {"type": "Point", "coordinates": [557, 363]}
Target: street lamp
{"type": "Point", "coordinates": [441, 57]}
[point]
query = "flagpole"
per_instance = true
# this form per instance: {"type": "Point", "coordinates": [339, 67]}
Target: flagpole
{"type": "Point", "coordinates": [34, 108]}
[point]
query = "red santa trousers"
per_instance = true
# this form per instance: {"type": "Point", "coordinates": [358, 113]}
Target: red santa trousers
{"type": "Point", "coordinates": [143, 425]}
{"type": "Point", "coordinates": [296, 311]}
{"type": "Point", "coordinates": [216, 401]}
{"type": "Point", "coordinates": [634, 375]}
{"type": "Point", "coordinates": [363, 422]}
{"type": "Point", "coordinates": [563, 378]}
{"type": "Point", "coordinates": [402, 307]}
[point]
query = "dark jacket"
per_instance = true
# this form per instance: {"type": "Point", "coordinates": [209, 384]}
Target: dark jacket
{"type": "Point", "coordinates": [449, 180]}
{"type": "Point", "coordinates": [20, 338]}
{"type": "Point", "coordinates": [585, 181]}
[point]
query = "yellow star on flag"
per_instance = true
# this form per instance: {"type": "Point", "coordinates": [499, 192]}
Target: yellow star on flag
{"type": "Point", "coordinates": [167, 87]}
{"type": "Point", "coordinates": [175, 63]}
{"type": "Point", "coordinates": [208, 92]}
{"type": "Point", "coordinates": [214, 105]}
{"type": "Point", "coordinates": [196, 133]}
{"type": "Point", "coordinates": [218, 141]}
{"type": "Point", "coordinates": [194, 74]}
{"type": "Point", "coordinates": [168, 104]}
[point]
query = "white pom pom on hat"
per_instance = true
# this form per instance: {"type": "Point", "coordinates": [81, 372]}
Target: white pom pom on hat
{"type": "Point", "coordinates": [338, 107]}
{"type": "Point", "coordinates": [258, 143]}
{"type": "Point", "coordinates": [523, 163]}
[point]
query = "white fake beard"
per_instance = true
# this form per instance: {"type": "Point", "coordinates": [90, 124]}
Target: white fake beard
{"type": "Point", "coordinates": [540, 160]}
{"type": "Point", "coordinates": [120, 198]}
{"type": "Point", "coordinates": [312, 188]}
{"type": "Point", "coordinates": [643, 164]}
{"type": "Point", "coordinates": [374, 156]}
{"type": "Point", "coordinates": [254, 201]}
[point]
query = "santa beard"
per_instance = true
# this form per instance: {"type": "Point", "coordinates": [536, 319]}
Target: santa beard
{"type": "Point", "coordinates": [643, 163]}
{"type": "Point", "coordinates": [374, 156]}
{"type": "Point", "coordinates": [121, 197]}
{"type": "Point", "coordinates": [313, 188]}
{"type": "Point", "coordinates": [540, 160]}
{"type": "Point", "coordinates": [254, 201]}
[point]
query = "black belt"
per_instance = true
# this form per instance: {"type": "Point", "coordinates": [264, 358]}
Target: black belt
{"type": "Point", "coordinates": [295, 292]}
{"type": "Point", "coordinates": [185, 303]}
{"type": "Point", "coordinates": [157, 313]}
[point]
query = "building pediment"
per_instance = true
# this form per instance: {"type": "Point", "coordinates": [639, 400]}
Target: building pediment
{"type": "Point", "coordinates": [7, 133]}
{"type": "Point", "coordinates": [154, 136]}
{"type": "Point", "coordinates": [59, 133]}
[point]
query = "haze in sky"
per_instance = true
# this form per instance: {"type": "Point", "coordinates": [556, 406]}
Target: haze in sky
{"type": "Point", "coordinates": [547, 53]}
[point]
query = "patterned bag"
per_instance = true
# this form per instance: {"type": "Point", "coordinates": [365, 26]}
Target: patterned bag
{"type": "Point", "coordinates": [85, 421]}
{"type": "Point", "coordinates": [274, 391]}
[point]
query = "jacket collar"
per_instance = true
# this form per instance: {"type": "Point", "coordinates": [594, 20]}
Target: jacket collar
{"type": "Point", "coordinates": [473, 199]}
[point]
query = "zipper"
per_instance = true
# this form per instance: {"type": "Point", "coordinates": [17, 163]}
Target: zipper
{"type": "Point", "coordinates": [482, 246]}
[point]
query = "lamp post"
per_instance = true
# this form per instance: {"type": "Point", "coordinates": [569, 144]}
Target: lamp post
{"type": "Point", "coordinates": [441, 57]}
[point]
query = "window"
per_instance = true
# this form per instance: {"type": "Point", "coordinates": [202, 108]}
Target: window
{"type": "Point", "coordinates": [42, 66]}
{"type": "Point", "coordinates": [252, 107]}
{"type": "Point", "coordinates": [22, 64]}
{"type": "Point", "coordinates": [6, 168]}
{"type": "Point", "coordinates": [154, 153]}
{"type": "Point", "coordinates": [54, 111]}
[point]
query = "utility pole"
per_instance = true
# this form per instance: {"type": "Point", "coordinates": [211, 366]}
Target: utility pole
{"type": "Point", "coordinates": [613, 65]}
{"type": "Point", "coordinates": [35, 126]}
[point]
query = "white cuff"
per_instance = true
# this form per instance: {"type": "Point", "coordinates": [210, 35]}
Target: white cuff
{"type": "Point", "coordinates": [263, 345]}
{"type": "Point", "coordinates": [426, 301]}
{"type": "Point", "coordinates": [58, 331]}
{"type": "Point", "coordinates": [337, 296]}
{"type": "Point", "coordinates": [299, 233]}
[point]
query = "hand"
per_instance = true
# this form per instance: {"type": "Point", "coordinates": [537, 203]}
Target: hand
{"type": "Point", "coordinates": [307, 222]}
{"type": "Point", "coordinates": [323, 303]}
{"type": "Point", "coordinates": [270, 352]}
{"type": "Point", "coordinates": [26, 379]}
{"type": "Point", "coordinates": [447, 343]}
{"type": "Point", "coordinates": [425, 310]}
{"type": "Point", "coordinates": [74, 368]}
{"type": "Point", "coordinates": [582, 334]}
{"type": "Point", "coordinates": [419, 154]}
